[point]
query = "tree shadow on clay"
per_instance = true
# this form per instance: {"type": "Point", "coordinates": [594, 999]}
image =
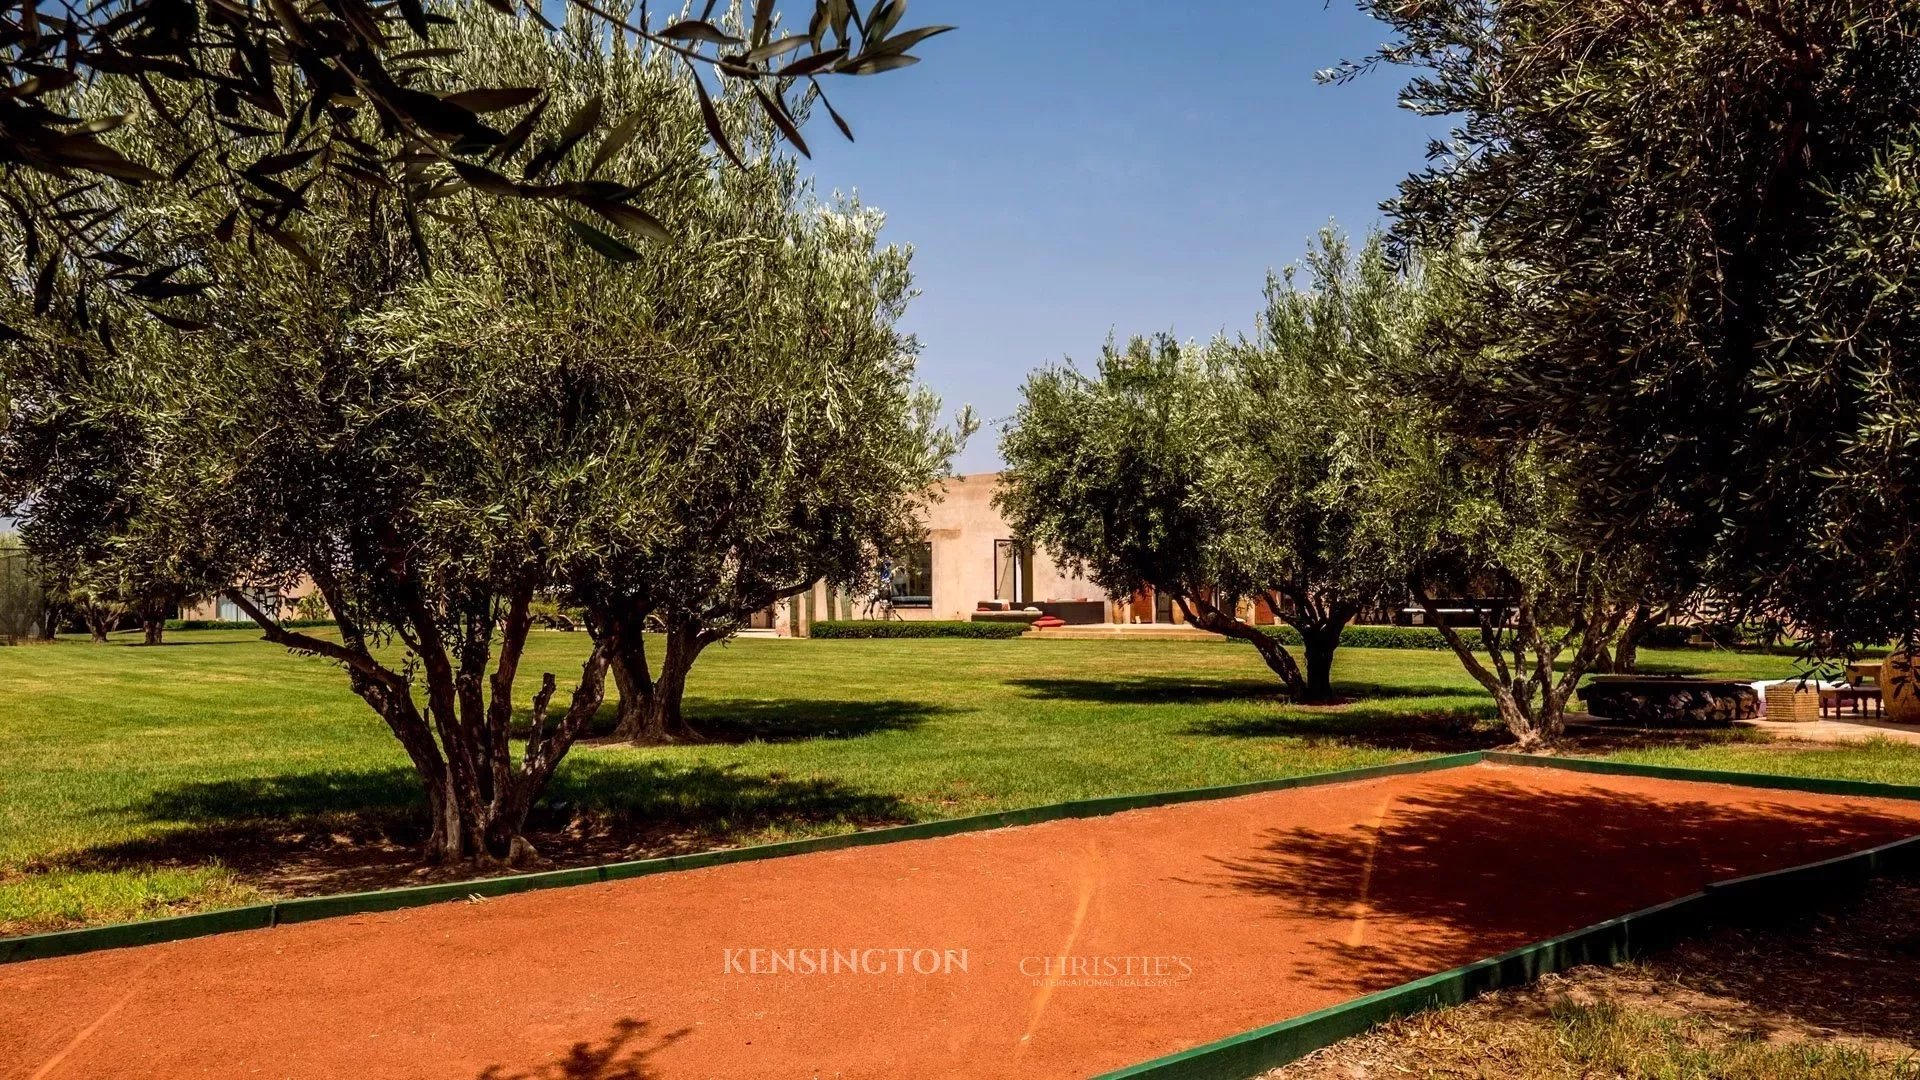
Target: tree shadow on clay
{"type": "Point", "coordinates": [622, 1055]}
{"type": "Point", "coordinates": [1453, 877]}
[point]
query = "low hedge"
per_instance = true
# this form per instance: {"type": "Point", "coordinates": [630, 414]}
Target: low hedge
{"type": "Point", "coordinates": [947, 628]}
{"type": "Point", "coordinates": [1667, 636]}
{"type": "Point", "coordinates": [243, 624]}
{"type": "Point", "coordinates": [1375, 637]}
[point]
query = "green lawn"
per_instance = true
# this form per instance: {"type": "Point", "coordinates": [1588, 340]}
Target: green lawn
{"type": "Point", "coordinates": [219, 768]}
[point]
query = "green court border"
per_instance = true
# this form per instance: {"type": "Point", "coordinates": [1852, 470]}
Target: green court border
{"type": "Point", "coordinates": [306, 909]}
{"type": "Point", "coordinates": [1758, 896]}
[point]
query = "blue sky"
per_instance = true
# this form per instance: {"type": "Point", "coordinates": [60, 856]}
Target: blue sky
{"type": "Point", "coordinates": [1068, 167]}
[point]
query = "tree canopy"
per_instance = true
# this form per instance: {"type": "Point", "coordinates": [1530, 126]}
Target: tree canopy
{"type": "Point", "coordinates": [1230, 474]}
{"type": "Point", "coordinates": [437, 451]}
{"type": "Point", "coordinates": [272, 100]}
{"type": "Point", "coordinates": [1701, 217]}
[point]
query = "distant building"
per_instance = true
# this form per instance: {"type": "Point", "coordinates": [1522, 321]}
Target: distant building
{"type": "Point", "coordinates": [971, 558]}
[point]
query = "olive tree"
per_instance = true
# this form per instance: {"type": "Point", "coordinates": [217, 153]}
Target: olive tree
{"type": "Point", "coordinates": [91, 451]}
{"type": "Point", "coordinates": [772, 394]}
{"type": "Point", "coordinates": [1492, 522]}
{"type": "Point", "coordinates": [1305, 436]}
{"type": "Point", "coordinates": [402, 441]}
{"type": "Point", "coordinates": [1702, 214]}
{"type": "Point", "coordinates": [1231, 473]}
{"type": "Point", "coordinates": [821, 461]}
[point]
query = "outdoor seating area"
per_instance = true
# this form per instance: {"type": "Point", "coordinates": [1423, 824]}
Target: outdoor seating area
{"type": "Point", "coordinates": [1858, 696]}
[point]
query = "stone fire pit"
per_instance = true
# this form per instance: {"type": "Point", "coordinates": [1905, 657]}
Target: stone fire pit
{"type": "Point", "coordinates": [1669, 701]}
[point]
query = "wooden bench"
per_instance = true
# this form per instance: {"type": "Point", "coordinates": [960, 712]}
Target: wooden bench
{"type": "Point", "coordinates": [1860, 701]}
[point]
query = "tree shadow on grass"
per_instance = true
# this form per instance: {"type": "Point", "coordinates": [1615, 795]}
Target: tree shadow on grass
{"type": "Point", "coordinates": [346, 830]}
{"type": "Point", "coordinates": [1451, 731]}
{"type": "Point", "coordinates": [1673, 667]}
{"type": "Point", "coordinates": [1457, 875]}
{"type": "Point", "coordinates": [1442, 731]}
{"type": "Point", "coordinates": [738, 720]}
{"type": "Point", "coordinates": [623, 1055]}
{"type": "Point", "coordinates": [777, 720]}
{"type": "Point", "coordinates": [1847, 969]}
{"type": "Point", "coordinates": [1175, 690]}
{"type": "Point", "coordinates": [182, 644]}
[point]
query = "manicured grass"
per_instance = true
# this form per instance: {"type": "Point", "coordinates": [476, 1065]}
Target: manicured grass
{"type": "Point", "coordinates": [1882, 760]}
{"type": "Point", "coordinates": [1568, 1040]}
{"type": "Point", "coordinates": [147, 781]}
{"type": "Point", "coordinates": [1827, 995]}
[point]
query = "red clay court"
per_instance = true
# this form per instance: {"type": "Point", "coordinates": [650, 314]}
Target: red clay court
{"type": "Point", "coordinates": [1179, 925]}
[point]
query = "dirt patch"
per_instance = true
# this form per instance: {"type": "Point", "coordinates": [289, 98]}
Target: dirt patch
{"type": "Point", "coordinates": [1834, 995]}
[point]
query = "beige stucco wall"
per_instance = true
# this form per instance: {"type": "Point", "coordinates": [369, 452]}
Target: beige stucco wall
{"type": "Point", "coordinates": [962, 527]}
{"type": "Point", "coordinates": [208, 607]}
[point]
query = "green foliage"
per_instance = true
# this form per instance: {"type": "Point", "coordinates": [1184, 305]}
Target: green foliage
{"type": "Point", "coordinates": [1374, 637]}
{"type": "Point", "coordinates": [1700, 223]}
{"type": "Point", "coordinates": [1472, 513]}
{"type": "Point", "coordinates": [919, 628]}
{"type": "Point", "coordinates": [311, 93]}
{"type": "Point", "coordinates": [1233, 472]}
{"type": "Point", "coordinates": [1119, 473]}
{"type": "Point", "coordinates": [753, 423]}
{"type": "Point", "coordinates": [227, 624]}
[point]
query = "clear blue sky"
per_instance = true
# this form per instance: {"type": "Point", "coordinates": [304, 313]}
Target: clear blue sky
{"type": "Point", "coordinates": [1068, 167]}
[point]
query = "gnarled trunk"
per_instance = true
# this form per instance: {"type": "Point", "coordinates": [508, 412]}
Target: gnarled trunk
{"type": "Point", "coordinates": [1206, 616]}
{"type": "Point", "coordinates": [1534, 724]}
{"type": "Point", "coordinates": [153, 631]}
{"type": "Point", "coordinates": [650, 702]}
{"type": "Point", "coordinates": [1319, 643]}
{"type": "Point", "coordinates": [1521, 670]}
{"type": "Point", "coordinates": [460, 744]}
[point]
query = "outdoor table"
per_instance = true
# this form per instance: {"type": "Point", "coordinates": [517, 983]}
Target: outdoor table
{"type": "Point", "coordinates": [1855, 699]}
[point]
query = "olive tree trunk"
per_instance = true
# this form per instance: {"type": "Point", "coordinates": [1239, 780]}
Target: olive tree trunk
{"type": "Point", "coordinates": [1319, 643]}
{"type": "Point", "coordinates": [479, 792]}
{"type": "Point", "coordinates": [1205, 615]}
{"type": "Point", "coordinates": [651, 701]}
{"type": "Point", "coordinates": [1521, 666]}
{"type": "Point", "coordinates": [100, 621]}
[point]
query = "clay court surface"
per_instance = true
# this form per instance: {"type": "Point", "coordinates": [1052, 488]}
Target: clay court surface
{"type": "Point", "coordinates": [1179, 925]}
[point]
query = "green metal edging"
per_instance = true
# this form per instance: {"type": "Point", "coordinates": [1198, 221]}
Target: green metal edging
{"type": "Point", "coordinates": [1256, 1051]}
{"type": "Point", "coordinates": [1757, 896]}
{"type": "Point", "coordinates": [262, 916]}
{"type": "Point", "coordinates": [1815, 785]}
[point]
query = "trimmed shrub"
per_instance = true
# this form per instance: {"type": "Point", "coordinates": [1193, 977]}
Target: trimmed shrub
{"type": "Point", "coordinates": [1373, 637]}
{"type": "Point", "coordinates": [1666, 636]}
{"type": "Point", "coordinates": [244, 624]}
{"type": "Point", "coordinates": [947, 628]}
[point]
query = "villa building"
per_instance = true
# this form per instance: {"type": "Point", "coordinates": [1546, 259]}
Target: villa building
{"type": "Point", "coordinates": [972, 556]}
